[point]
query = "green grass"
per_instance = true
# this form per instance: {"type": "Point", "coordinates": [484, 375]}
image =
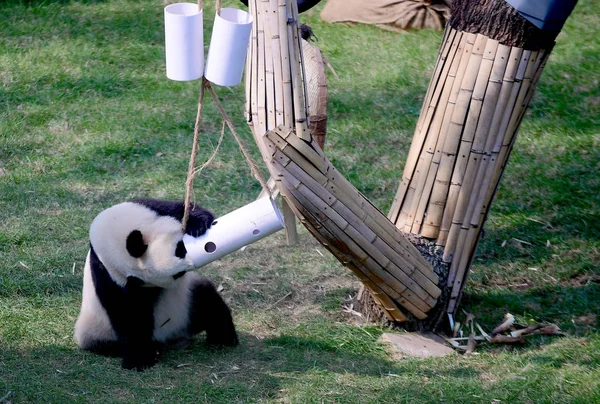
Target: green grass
{"type": "Point", "coordinates": [88, 119]}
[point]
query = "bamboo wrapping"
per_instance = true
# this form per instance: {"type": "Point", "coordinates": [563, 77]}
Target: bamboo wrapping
{"type": "Point", "coordinates": [466, 130]}
{"type": "Point", "coordinates": [451, 50]}
{"type": "Point", "coordinates": [418, 184]}
{"type": "Point", "coordinates": [408, 286]}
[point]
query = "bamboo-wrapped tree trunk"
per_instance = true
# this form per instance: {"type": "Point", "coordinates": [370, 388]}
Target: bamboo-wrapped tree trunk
{"type": "Point", "coordinates": [487, 69]}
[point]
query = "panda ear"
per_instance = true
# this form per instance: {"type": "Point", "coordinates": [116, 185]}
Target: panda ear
{"type": "Point", "coordinates": [135, 244]}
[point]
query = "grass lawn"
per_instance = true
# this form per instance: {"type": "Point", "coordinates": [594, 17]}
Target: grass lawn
{"type": "Point", "coordinates": [88, 119]}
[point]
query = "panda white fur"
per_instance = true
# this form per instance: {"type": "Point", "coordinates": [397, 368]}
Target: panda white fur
{"type": "Point", "coordinates": [137, 293]}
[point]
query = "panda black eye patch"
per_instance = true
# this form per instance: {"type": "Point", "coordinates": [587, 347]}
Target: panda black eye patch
{"type": "Point", "coordinates": [180, 251]}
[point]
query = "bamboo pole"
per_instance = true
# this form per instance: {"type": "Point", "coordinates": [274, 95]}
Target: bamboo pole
{"type": "Point", "coordinates": [389, 308]}
{"type": "Point", "coordinates": [296, 75]}
{"type": "Point", "coordinates": [537, 68]}
{"type": "Point", "coordinates": [277, 69]}
{"type": "Point", "coordinates": [454, 120]}
{"type": "Point", "coordinates": [261, 83]}
{"type": "Point", "coordinates": [288, 100]}
{"type": "Point", "coordinates": [303, 99]}
{"type": "Point", "coordinates": [357, 230]}
{"type": "Point", "coordinates": [248, 75]}
{"type": "Point", "coordinates": [253, 70]}
{"type": "Point", "coordinates": [269, 68]}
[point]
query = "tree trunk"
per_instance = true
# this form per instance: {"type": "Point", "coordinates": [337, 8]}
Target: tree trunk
{"type": "Point", "coordinates": [487, 69]}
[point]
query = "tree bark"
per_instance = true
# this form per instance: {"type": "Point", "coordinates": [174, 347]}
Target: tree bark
{"type": "Point", "coordinates": [498, 20]}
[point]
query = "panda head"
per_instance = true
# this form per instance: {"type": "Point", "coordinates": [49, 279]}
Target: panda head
{"type": "Point", "coordinates": [133, 240]}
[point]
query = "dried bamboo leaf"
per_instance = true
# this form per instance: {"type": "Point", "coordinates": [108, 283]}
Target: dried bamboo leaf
{"type": "Point", "coordinates": [505, 325]}
{"type": "Point", "coordinates": [471, 344]}
{"type": "Point", "coordinates": [505, 339]}
{"type": "Point", "coordinates": [551, 329]}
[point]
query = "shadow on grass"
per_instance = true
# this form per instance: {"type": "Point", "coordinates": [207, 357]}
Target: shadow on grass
{"type": "Point", "coordinates": [253, 371]}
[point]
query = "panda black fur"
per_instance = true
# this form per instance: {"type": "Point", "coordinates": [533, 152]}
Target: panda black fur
{"type": "Point", "coordinates": [137, 293]}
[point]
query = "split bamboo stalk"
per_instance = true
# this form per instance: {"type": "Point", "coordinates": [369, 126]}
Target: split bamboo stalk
{"type": "Point", "coordinates": [365, 212]}
{"type": "Point", "coordinates": [502, 154]}
{"type": "Point", "coordinates": [261, 83]}
{"type": "Point", "coordinates": [375, 216]}
{"type": "Point", "coordinates": [296, 75]}
{"type": "Point", "coordinates": [311, 151]}
{"type": "Point", "coordinates": [248, 75]}
{"type": "Point", "coordinates": [443, 55]}
{"type": "Point", "coordinates": [288, 100]}
{"type": "Point", "coordinates": [478, 159]}
{"type": "Point", "coordinates": [277, 69]}
{"type": "Point", "coordinates": [323, 235]}
{"type": "Point", "coordinates": [493, 148]}
{"type": "Point", "coordinates": [404, 194]}
{"type": "Point", "coordinates": [454, 121]}
{"type": "Point", "coordinates": [448, 49]}
{"type": "Point", "coordinates": [387, 305]}
{"type": "Point", "coordinates": [253, 69]}
{"type": "Point", "coordinates": [304, 94]}
{"type": "Point", "coordinates": [269, 68]}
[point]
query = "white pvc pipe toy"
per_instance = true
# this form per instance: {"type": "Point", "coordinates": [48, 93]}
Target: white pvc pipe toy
{"type": "Point", "coordinates": [235, 230]}
{"type": "Point", "coordinates": [228, 47]}
{"type": "Point", "coordinates": [184, 41]}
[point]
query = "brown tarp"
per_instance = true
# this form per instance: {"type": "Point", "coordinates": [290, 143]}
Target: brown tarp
{"type": "Point", "coordinates": [389, 14]}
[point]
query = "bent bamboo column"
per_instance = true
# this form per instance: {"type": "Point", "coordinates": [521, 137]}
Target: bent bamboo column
{"type": "Point", "coordinates": [471, 113]}
{"type": "Point", "coordinates": [341, 218]}
{"type": "Point", "coordinates": [347, 224]}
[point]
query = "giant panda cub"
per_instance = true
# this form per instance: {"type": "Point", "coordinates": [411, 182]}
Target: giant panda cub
{"type": "Point", "coordinates": [137, 294]}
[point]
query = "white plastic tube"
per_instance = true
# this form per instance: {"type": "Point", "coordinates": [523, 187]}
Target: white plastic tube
{"type": "Point", "coordinates": [235, 230]}
{"type": "Point", "coordinates": [184, 42]}
{"type": "Point", "coordinates": [228, 47]}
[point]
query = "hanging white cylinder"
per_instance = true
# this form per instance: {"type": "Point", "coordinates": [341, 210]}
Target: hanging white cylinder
{"type": "Point", "coordinates": [228, 47]}
{"type": "Point", "coordinates": [235, 230]}
{"type": "Point", "coordinates": [184, 41]}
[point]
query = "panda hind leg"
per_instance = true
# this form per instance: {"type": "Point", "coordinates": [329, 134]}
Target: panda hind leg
{"type": "Point", "coordinates": [210, 313]}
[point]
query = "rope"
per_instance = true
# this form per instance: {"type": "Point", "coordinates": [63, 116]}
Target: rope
{"type": "Point", "coordinates": [189, 186]}
{"type": "Point", "coordinates": [251, 163]}
{"type": "Point", "coordinates": [189, 183]}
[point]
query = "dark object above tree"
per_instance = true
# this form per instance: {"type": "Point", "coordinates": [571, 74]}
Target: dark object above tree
{"type": "Point", "coordinates": [303, 5]}
{"type": "Point", "coordinates": [544, 14]}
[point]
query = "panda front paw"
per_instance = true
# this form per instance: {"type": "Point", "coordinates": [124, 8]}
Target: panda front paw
{"type": "Point", "coordinates": [200, 220]}
{"type": "Point", "coordinates": [222, 338]}
{"type": "Point", "coordinates": [140, 361]}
